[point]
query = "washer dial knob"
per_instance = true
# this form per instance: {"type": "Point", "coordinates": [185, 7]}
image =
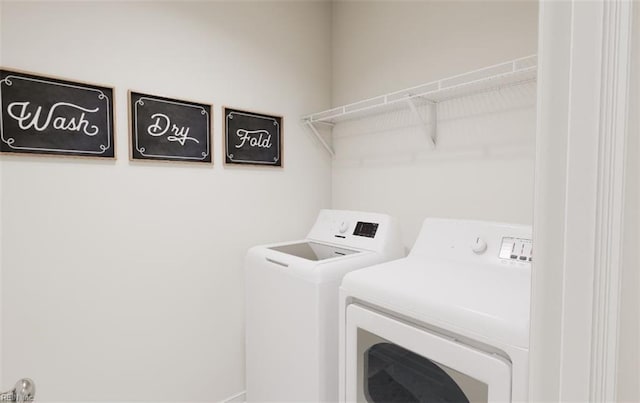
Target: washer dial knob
{"type": "Point", "coordinates": [344, 226]}
{"type": "Point", "coordinates": [479, 246]}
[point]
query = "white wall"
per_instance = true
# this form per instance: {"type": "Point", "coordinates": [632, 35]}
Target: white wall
{"type": "Point", "coordinates": [482, 167]}
{"type": "Point", "coordinates": [124, 281]}
{"type": "Point", "coordinates": [629, 347]}
{"type": "Point", "coordinates": [383, 46]}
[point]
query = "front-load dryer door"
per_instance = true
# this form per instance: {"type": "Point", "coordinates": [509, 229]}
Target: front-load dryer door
{"type": "Point", "coordinates": [391, 361]}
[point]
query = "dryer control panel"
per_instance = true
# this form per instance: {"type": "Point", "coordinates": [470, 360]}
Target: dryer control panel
{"type": "Point", "coordinates": [516, 249]}
{"type": "Point", "coordinates": [475, 242]}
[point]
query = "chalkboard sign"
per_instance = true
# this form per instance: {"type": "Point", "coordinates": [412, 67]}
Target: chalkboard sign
{"type": "Point", "coordinates": [43, 115]}
{"type": "Point", "coordinates": [252, 138]}
{"type": "Point", "coordinates": [169, 129]}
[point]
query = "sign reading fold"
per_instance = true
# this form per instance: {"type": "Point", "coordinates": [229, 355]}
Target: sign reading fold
{"type": "Point", "coordinates": [252, 138]}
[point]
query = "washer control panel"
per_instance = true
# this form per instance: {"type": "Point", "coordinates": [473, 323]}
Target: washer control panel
{"type": "Point", "coordinates": [366, 229]}
{"type": "Point", "coordinates": [357, 229]}
{"type": "Point", "coordinates": [519, 249]}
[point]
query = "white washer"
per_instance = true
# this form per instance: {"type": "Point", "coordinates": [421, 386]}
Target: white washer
{"type": "Point", "coordinates": [292, 303]}
{"type": "Point", "coordinates": [450, 322]}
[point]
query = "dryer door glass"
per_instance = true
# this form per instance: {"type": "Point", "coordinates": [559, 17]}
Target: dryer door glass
{"type": "Point", "coordinates": [390, 360]}
{"type": "Point", "coordinates": [390, 373]}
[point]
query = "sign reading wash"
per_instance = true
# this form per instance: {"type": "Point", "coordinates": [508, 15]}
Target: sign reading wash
{"type": "Point", "coordinates": [169, 129]}
{"type": "Point", "coordinates": [252, 138]}
{"type": "Point", "coordinates": [42, 115]}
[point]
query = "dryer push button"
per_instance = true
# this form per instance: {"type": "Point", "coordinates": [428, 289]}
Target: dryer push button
{"type": "Point", "coordinates": [516, 249]}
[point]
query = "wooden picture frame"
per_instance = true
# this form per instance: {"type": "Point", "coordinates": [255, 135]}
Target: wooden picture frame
{"type": "Point", "coordinates": [44, 115]}
{"type": "Point", "coordinates": [169, 129]}
{"type": "Point", "coordinates": [252, 138]}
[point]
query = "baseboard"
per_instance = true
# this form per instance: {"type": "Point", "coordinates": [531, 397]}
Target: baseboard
{"type": "Point", "coordinates": [239, 397]}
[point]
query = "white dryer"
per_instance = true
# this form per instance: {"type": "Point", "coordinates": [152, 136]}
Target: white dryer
{"type": "Point", "coordinates": [292, 303]}
{"type": "Point", "coordinates": [450, 322]}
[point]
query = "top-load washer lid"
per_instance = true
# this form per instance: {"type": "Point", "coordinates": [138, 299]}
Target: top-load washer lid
{"type": "Point", "coordinates": [313, 250]}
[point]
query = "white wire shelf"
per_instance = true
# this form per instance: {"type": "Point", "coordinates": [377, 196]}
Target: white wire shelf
{"type": "Point", "coordinates": [491, 78]}
{"type": "Point", "coordinates": [486, 79]}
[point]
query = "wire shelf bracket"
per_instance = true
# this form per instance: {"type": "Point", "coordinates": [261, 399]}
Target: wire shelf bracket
{"type": "Point", "coordinates": [316, 133]}
{"type": "Point", "coordinates": [429, 130]}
